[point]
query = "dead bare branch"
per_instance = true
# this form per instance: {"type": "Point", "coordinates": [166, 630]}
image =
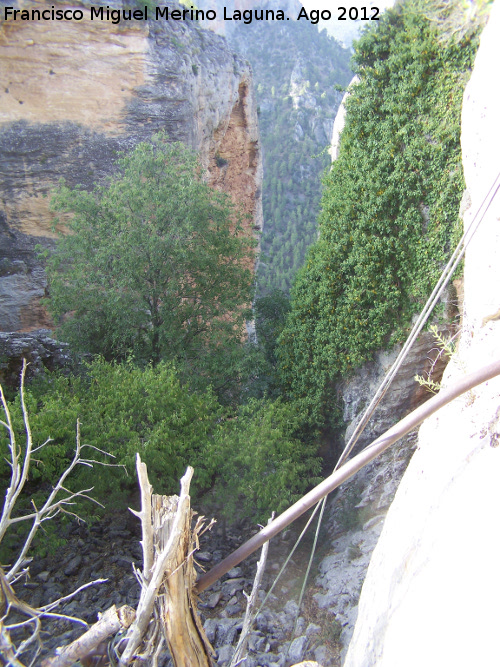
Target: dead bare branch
{"type": "Point", "coordinates": [145, 518]}
{"type": "Point", "coordinates": [239, 653]}
{"type": "Point", "coordinates": [60, 499]}
{"type": "Point", "coordinates": [167, 609]}
{"type": "Point", "coordinates": [56, 603]}
{"type": "Point", "coordinates": [7, 649]}
{"type": "Point", "coordinates": [111, 622]}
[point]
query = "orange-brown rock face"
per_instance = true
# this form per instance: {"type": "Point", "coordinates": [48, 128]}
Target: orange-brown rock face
{"type": "Point", "coordinates": [237, 161]}
{"type": "Point", "coordinates": [73, 94]}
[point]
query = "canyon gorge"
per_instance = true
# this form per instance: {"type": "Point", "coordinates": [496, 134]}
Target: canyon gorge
{"type": "Point", "coordinates": [405, 571]}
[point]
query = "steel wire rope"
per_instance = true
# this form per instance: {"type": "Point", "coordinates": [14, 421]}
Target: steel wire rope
{"type": "Point", "coordinates": [429, 306]}
{"type": "Point", "coordinates": [350, 468]}
{"type": "Point", "coordinates": [445, 276]}
{"type": "Point", "coordinates": [284, 566]}
{"type": "Point", "coordinates": [306, 576]}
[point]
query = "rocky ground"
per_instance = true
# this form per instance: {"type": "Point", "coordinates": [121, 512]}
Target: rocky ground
{"type": "Point", "coordinates": [351, 527]}
{"type": "Point", "coordinates": [109, 548]}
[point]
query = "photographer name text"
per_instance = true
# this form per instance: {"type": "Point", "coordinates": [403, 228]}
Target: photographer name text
{"type": "Point", "coordinates": [165, 13]}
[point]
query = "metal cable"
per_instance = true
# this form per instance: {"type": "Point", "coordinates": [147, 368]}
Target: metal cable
{"type": "Point", "coordinates": [445, 276]}
{"type": "Point", "coordinates": [349, 468]}
{"type": "Point", "coordinates": [381, 391]}
{"type": "Point", "coordinates": [306, 576]}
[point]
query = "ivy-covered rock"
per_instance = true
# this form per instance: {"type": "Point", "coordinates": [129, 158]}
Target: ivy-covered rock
{"type": "Point", "coordinates": [389, 217]}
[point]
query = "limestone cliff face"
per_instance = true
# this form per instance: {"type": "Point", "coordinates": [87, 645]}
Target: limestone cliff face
{"type": "Point", "coordinates": [74, 94]}
{"type": "Point", "coordinates": [339, 123]}
{"type": "Point", "coordinates": [356, 513]}
{"type": "Point", "coordinates": [430, 596]}
{"type": "Point", "coordinates": [405, 394]}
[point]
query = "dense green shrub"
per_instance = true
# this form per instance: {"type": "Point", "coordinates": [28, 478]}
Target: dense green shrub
{"type": "Point", "coordinates": [389, 215]}
{"type": "Point", "coordinates": [254, 459]}
{"type": "Point", "coordinates": [123, 410]}
{"type": "Point", "coordinates": [262, 464]}
{"type": "Point", "coordinates": [270, 316]}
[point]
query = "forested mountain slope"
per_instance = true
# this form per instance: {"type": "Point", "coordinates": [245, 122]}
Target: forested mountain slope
{"type": "Point", "coordinates": [297, 72]}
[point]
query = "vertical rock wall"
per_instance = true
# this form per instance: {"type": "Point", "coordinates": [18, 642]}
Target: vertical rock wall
{"type": "Point", "coordinates": [75, 94]}
{"type": "Point", "coordinates": [356, 513]}
{"type": "Point", "coordinates": [431, 592]}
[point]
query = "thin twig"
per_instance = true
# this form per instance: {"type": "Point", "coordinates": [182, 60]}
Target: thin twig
{"type": "Point", "coordinates": [238, 656]}
{"type": "Point", "coordinates": [35, 449]}
{"type": "Point", "coordinates": [19, 462]}
{"type": "Point", "coordinates": [51, 506]}
{"type": "Point", "coordinates": [53, 605]}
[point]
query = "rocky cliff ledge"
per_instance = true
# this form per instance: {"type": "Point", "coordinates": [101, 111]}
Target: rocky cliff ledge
{"type": "Point", "coordinates": [75, 93]}
{"type": "Point", "coordinates": [431, 592]}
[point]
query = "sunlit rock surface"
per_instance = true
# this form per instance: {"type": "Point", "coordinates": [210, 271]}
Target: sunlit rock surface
{"type": "Point", "coordinates": [75, 94]}
{"type": "Point", "coordinates": [431, 593]}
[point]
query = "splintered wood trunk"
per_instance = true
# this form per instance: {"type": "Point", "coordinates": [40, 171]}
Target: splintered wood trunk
{"type": "Point", "coordinates": [177, 603]}
{"type": "Point", "coordinates": [167, 606]}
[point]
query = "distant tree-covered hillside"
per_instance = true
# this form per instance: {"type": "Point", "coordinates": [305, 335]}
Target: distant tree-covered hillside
{"type": "Point", "coordinates": [297, 74]}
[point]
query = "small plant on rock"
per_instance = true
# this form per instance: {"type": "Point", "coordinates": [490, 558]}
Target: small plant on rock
{"type": "Point", "coordinates": [445, 346]}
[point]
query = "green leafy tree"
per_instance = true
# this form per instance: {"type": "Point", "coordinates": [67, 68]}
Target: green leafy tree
{"type": "Point", "coordinates": [155, 264]}
{"type": "Point", "coordinates": [270, 313]}
{"type": "Point", "coordinates": [390, 206]}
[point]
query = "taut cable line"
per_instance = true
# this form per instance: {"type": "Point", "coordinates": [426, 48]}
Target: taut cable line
{"type": "Point", "coordinates": [348, 470]}
{"type": "Point", "coordinates": [444, 278]}
{"type": "Point", "coordinates": [345, 470]}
